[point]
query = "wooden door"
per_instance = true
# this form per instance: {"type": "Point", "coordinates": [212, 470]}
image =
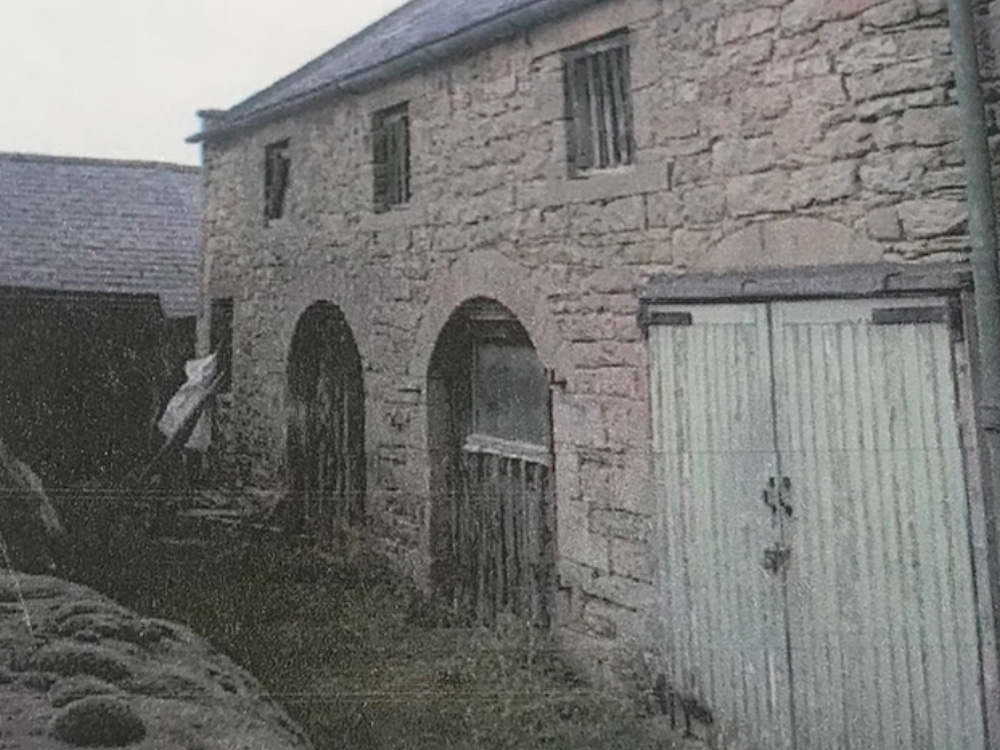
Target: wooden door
{"type": "Point", "coordinates": [503, 531]}
{"type": "Point", "coordinates": [326, 418]}
{"type": "Point", "coordinates": [714, 457]}
{"type": "Point", "coordinates": [882, 612]}
{"type": "Point", "coordinates": [840, 612]}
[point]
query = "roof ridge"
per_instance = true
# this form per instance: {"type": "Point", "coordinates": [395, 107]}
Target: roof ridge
{"type": "Point", "coordinates": [19, 156]}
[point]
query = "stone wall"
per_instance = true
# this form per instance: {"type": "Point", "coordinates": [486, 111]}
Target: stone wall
{"type": "Point", "coordinates": [768, 133]}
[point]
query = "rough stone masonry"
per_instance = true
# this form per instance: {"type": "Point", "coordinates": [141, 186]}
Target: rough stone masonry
{"type": "Point", "coordinates": [767, 133]}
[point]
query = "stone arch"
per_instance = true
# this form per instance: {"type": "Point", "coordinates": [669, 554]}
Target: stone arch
{"type": "Point", "coordinates": [348, 294]}
{"type": "Point", "coordinates": [489, 436]}
{"type": "Point", "coordinates": [491, 275]}
{"type": "Point", "coordinates": [787, 243]}
{"type": "Point", "coordinates": [325, 418]}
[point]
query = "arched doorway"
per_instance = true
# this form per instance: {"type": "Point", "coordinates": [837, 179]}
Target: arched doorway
{"type": "Point", "coordinates": [490, 439]}
{"type": "Point", "coordinates": [326, 418]}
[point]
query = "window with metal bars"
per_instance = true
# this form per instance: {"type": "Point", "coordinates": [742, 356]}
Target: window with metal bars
{"type": "Point", "coordinates": [391, 157]}
{"type": "Point", "coordinates": [599, 131]}
{"type": "Point", "coordinates": [277, 165]}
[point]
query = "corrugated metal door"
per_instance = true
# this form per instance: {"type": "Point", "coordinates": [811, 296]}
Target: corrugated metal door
{"type": "Point", "coordinates": [839, 613]}
{"type": "Point", "coordinates": [882, 615]}
{"type": "Point", "coordinates": [714, 446]}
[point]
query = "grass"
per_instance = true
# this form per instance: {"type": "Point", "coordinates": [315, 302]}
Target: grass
{"type": "Point", "coordinates": [357, 657]}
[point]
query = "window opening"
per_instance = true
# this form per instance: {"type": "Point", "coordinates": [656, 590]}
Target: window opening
{"type": "Point", "coordinates": [277, 165]}
{"type": "Point", "coordinates": [598, 105]}
{"type": "Point", "coordinates": [391, 157]}
{"type": "Point", "coordinates": [221, 339]}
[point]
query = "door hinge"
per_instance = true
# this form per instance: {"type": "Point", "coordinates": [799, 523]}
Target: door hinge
{"type": "Point", "coordinates": [949, 314]}
{"type": "Point", "coordinates": [652, 317]}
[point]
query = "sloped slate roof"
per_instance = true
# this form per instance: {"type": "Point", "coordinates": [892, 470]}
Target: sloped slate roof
{"type": "Point", "coordinates": [90, 225]}
{"type": "Point", "coordinates": [418, 25]}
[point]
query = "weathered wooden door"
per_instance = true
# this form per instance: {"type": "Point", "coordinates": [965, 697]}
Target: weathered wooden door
{"type": "Point", "coordinates": [491, 444]}
{"type": "Point", "coordinates": [326, 461]}
{"type": "Point", "coordinates": [858, 586]}
{"type": "Point", "coordinates": [503, 538]}
{"type": "Point", "coordinates": [882, 612]}
{"type": "Point", "coordinates": [503, 510]}
{"type": "Point", "coordinates": [714, 445]}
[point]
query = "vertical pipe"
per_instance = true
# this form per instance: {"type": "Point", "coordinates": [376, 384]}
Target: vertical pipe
{"type": "Point", "coordinates": [982, 219]}
{"type": "Point", "coordinates": [983, 240]}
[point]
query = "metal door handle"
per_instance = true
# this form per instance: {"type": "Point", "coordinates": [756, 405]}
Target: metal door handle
{"type": "Point", "coordinates": [784, 493]}
{"type": "Point", "coordinates": [768, 493]}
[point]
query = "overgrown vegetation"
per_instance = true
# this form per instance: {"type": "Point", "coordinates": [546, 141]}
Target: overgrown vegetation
{"type": "Point", "coordinates": [361, 660]}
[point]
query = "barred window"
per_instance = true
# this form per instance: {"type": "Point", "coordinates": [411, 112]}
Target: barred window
{"type": "Point", "coordinates": [598, 105]}
{"type": "Point", "coordinates": [391, 157]}
{"type": "Point", "coordinates": [277, 165]}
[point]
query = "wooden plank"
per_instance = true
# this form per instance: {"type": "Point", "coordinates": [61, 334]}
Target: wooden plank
{"type": "Point", "coordinates": [481, 549]}
{"type": "Point", "coordinates": [606, 104]}
{"type": "Point", "coordinates": [524, 540]}
{"type": "Point", "coordinates": [886, 316]}
{"type": "Point", "coordinates": [547, 557]}
{"type": "Point", "coordinates": [453, 489]}
{"type": "Point", "coordinates": [496, 532]}
{"type": "Point", "coordinates": [509, 537]}
{"type": "Point", "coordinates": [582, 118]}
{"type": "Point", "coordinates": [519, 449]}
{"type": "Point", "coordinates": [469, 556]}
{"type": "Point", "coordinates": [521, 603]}
{"type": "Point", "coordinates": [598, 127]}
{"type": "Point", "coordinates": [625, 113]}
{"type": "Point", "coordinates": [530, 541]}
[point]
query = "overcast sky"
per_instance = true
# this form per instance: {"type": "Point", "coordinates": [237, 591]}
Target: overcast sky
{"type": "Point", "coordinates": [122, 78]}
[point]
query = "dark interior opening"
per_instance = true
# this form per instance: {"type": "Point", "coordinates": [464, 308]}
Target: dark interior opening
{"type": "Point", "coordinates": [326, 419]}
{"type": "Point", "coordinates": [489, 433]}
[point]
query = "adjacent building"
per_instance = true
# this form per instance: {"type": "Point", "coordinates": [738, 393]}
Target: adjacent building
{"type": "Point", "coordinates": [98, 293]}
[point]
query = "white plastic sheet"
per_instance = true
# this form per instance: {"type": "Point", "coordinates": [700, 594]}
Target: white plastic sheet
{"type": "Point", "coordinates": [200, 374]}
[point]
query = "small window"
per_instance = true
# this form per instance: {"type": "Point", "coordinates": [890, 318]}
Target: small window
{"type": "Point", "coordinates": [221, 339]}
{"type": "Point", "coordinates": [391, 157]}
{"type": "Point", "coordinates": [277, 165]}
{"type": "Point", "coordinates": [598, 105]}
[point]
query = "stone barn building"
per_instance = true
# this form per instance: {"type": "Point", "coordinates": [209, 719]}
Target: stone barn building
{"type": "Point", "coordinates": [646, 320]}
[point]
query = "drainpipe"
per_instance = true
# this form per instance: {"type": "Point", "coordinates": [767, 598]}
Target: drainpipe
{"type": "Point", "coordinates": [983, 239]}
{"type": "Point", "coordinates": [982, 226]}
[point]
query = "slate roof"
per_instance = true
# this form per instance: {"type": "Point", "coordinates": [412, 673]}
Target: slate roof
{"type": "Point", "coordinates": [417, 25]}
{"type": "Point", "coordinates": [91, 225]}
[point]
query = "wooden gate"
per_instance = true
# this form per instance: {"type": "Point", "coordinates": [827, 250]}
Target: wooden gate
{"type": "Point", "coordinates": [816, 565]}
{"type": "Point", "coordinates": [326, 463]}
{"type": "Point", "coordinates": [502, 538]}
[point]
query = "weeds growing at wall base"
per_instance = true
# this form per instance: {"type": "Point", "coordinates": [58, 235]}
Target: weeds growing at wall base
{"type": "Point", "coordinates": [359, 659]}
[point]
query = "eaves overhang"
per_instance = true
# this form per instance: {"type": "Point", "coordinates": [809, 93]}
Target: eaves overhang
{"type": "Point", "coordinates": [462, 42]}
